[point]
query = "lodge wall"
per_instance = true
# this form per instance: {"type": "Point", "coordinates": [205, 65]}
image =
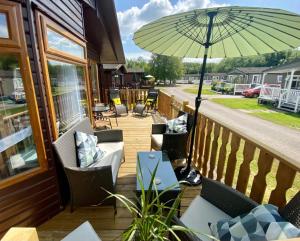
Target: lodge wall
{"type": "Point", "coordinates": [33, 201]}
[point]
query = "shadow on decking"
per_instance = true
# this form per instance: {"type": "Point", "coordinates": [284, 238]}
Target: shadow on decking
{"type": "Point", "coordinates": [137, 131]}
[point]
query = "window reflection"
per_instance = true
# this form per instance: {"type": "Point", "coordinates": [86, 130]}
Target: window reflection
{"type": "Point", "coordinates": [17, 148]}
{"type": "Point", "coordinates": [69, 93]}
{"type": "Point", "coordinates": [61, 43]}
{"type": "Point", "coordinates": [3, 26]}
{"type": "Point", "coordinates": [95, 83]}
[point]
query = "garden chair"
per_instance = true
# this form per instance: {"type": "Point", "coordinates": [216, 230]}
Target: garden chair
{"type": "Point", "coordinates": [150, 103]}
{"type": "Point", "coordinates": [115, 100]}
{"type": "Point", "coordinates": [174, 144]}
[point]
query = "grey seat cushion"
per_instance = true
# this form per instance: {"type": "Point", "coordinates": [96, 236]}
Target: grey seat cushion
{"type": "Point", "coordinates": [114, 153]}
{"type": "Point", "coordinates": [84, 232]}
{"type": "Point", "coordinates": [199, 214]}
{"type": "Point", "coordinates": [156, 141]}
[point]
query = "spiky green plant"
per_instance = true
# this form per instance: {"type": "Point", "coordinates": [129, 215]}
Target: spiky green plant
{"type": "Point", "coordinates": [152, 219]}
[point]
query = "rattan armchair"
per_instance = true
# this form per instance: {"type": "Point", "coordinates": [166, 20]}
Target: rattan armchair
{"type": "Point", "coordinates": [232, 203]}
{"type": "Point", "coordinates": [174, 144]}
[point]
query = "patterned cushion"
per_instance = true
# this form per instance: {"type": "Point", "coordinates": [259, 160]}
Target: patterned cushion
{"type": "Point", "coordinates": [87, 150]}
{"type": "Point", "coordinates": [178, 125]}
{"type": "Point", "coordinates": [261, 223]}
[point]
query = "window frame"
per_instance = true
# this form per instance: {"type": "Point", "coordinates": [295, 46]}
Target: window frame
{"type": "Point", "coordinates": [16, 45]}
{"type": "Point", "coordinates": [47, 53]}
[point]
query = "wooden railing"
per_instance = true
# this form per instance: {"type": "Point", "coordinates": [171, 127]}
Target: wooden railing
{"type": "Point", "coordinates": [235, 158]}
{"type": "Point", "coordinates": [130, 96]}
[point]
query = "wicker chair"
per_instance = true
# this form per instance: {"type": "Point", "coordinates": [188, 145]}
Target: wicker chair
{"type": "Point", "coordinates": [89, 186]}
{"type": "Point", "coordinates": [217, 201]}
{"type": "Point", "coordinates": [174, 144]}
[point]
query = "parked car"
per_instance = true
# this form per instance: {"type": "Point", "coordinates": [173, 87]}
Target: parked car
{"type": "Point", "coordinates": [252, 92]}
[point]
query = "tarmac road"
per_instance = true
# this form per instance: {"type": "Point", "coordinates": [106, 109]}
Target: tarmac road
{"type": "Point", "coordinates": [283, 140]}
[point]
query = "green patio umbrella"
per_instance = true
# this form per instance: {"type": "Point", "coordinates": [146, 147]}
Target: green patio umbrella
{"type": "Point", "coordinates": [219, 33]}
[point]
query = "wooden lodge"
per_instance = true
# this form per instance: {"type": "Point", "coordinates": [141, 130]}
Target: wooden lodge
{"type": "Point", "coordinates": [57, 59]}
{"type": "Point", "coordinates": [58, 47]}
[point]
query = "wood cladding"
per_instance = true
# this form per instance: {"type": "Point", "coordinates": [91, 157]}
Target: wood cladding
{"type": "Point", "coordinates": [68, 13]}
{"type": "Point", "coordinates": [37, 199]}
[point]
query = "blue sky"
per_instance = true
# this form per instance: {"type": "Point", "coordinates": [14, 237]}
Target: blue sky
{"type": "Point", "coordinates": [132, 14]}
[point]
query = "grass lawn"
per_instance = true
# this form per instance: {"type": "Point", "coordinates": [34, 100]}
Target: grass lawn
{"type": "Point", "coordinates": [205, 91]}
{"type": "Point", "coordinates": [14, 110]}
{"type": "Point", "coordinates": [243, 104]}
{"type": "Point", "coordinates": [268, 113]}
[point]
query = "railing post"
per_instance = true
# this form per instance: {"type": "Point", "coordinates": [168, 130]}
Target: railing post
{"type": "Point", "coordinates": [171, 112]}
{"type": "Point", "coordinates": [185, 103]}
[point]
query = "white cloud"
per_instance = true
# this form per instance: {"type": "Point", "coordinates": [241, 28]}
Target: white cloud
{"type": "Point", "coordinates": [135, 55]}
{"type": "Point", "coordinates": [133, 18]}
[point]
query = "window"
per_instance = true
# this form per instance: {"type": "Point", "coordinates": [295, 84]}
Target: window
{"type": "Point", "coordinates": [65, 71]}
{"type": "Point", "coordinates": [3, 26]}
{"type": "Point", "coordinates": [17, 146]}
{"type": "Point", "coordinates": [61, 43]}
{"type": "Point", "coordinates": [68, 93]}
{"type": "Point", "coordinates": [22, 152]}
{"type": "Point", "coordinates": [256, 79]}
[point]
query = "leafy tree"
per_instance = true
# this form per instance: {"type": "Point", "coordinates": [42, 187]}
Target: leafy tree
{"type": "Point", "coordinates": [140, 62]}
{"type": "Point", "coordinates": [166, 68]}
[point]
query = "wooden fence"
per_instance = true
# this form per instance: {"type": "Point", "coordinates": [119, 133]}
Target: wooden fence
{"type": "Point", "coordinates": [226, 155]}
{"type": "Point", "coordinates": [129, 96]}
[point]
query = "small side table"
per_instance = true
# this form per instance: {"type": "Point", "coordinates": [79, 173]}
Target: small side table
{"type": "Point", "coordinates": [100, 119]}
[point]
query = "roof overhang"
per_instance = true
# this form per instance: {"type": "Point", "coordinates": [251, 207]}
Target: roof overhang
{"type": "Point", "coordinates": [286, 68]}
{"type": "Point", "coordinates": [102, 31]}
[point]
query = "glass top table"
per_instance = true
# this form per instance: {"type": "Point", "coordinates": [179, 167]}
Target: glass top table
{"type": "Point", "coordinates": [165, 176]}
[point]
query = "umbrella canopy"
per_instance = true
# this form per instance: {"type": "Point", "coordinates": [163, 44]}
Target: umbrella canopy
{"type": "Point", "coordinates": [219, 33]}
{"type": "Point", "coordinates": [149, 76]}
{"type": "Point", "coordinates": [236, 32]}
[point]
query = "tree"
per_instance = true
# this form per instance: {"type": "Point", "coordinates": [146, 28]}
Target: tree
{"type": "Point", "coordinates": [140, 62]}
{"type": "Point", "coordinates": [166, 67]}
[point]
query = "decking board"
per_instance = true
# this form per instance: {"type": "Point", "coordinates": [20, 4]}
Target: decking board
{"type": "Point", "coordinates": [137, 138]}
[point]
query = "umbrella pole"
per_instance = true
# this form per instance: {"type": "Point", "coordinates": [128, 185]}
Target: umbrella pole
{"type": "Point", "coordinates": [185, 172]}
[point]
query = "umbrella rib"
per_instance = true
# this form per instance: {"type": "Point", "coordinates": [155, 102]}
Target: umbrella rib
{"type": "Point", "coordinates": [271, 11]}
{"type": "Point", "coordinates": [191, 43]}
{"type": "Point", "coordinates": [232, 39]}
{"type": "Point", "coordinates": [271, 16]}
{"type": "Point", "coordinates": [166, 35]}
{"type": "Point", "coordinates": [260, 39]}
{"type": "Point", "coordinates": [274, 27]}
{"type": "Point", "coordinates": [273, 36]}
{"type": "Point", "coordinates": [222, 40]}
{"type": "Point", "coordinates": [149, 33]}
{"type": "Point", "coordinates": [242, 36]}
{"type": "Point", "coordinates": [173, 42]}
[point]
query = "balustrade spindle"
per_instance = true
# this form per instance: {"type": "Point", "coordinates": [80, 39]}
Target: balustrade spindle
{"type": "Point", "coordinates": [243, 177]}
{"type": "Point", "coordinates": [207, 146]}
{"type": "Point", "coordinates": [259, 185]}
{"type": "Point", "coordinates": [232, 159]}
{"type": "Point", "coordinates": [284, 177]}
{"type": "Point", "coordinates": [214, 150]}
{"type": "Point", "coordinates": [201, 141]}
{"type": "Point", "coordinates": [222, 153]}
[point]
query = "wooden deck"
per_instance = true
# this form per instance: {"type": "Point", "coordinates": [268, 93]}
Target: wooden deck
{"type": "Point", "coordinates": [137, 138]}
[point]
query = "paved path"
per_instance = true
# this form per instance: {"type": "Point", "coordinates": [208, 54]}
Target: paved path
{"type": "Point", "coordinates": [283, 140]}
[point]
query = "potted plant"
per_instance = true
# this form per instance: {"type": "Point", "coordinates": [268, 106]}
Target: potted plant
{"type": "Point", "coordinates": [152, 219]}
